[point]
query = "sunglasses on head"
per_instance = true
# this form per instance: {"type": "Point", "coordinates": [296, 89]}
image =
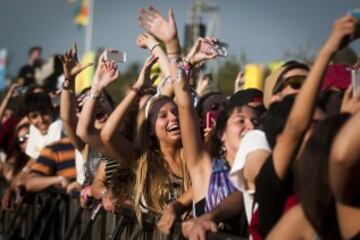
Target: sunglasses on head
{"type": "Point", "coordinates": [294, 82]}
{"type": "Point", "coordinates": [23, 139]}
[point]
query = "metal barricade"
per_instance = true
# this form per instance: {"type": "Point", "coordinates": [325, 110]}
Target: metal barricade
{"type": "Point", "coordinates": [52, 215]}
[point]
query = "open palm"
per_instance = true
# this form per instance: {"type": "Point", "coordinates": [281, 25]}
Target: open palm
{"type": "Point", "coordinates": [109, 74]}
{"type": "Point", "coordinates": [71, 64]}
{"type": "Point", "coordinates": [163, 29]}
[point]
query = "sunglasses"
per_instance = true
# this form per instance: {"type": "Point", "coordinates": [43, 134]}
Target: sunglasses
{"type": "Point", "coordinates": [23, 139]}
{"type": "Point", "coordinates": [295, 82]}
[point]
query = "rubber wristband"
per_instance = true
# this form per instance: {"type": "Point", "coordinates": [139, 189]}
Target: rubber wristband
{"type": "Point", "coordinates": [85, 193]}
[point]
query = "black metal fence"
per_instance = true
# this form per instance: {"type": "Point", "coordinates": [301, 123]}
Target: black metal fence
{"type": "Point", "coordinates": [55, 216]}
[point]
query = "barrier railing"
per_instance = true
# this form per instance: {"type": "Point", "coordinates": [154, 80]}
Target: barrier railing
{"type": "Point", "coordinates": [55, 216]}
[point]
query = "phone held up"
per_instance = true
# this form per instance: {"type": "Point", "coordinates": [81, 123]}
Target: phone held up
{"type": "Point", "coordinates": [355, 82]}
{"type": "Point", "coordinates": [115, 55]}
{"type": "Point", "coordinates": [211, 118]}
{"type": "Point", "coordinates": [356, 14]}
{"type": "Point", "coordinates": [220, 48]}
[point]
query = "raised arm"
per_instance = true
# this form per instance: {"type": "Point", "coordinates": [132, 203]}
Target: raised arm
{"type": "Point", "coordinates": [6, 100]}
{"type": "Point", "coordinates": [345, 162]}
{"type": "Point", "coordinates": [72, 68]}
{"type": "Point", "coordinates": [147, 41]}
{"type": "Point", "coordinates": [194, 147]}
{"type": "Point", "coordinates": [115, 142]}
{"type": "Point", "coordinates": [304, 106]}
{"type": "Point", "coordinates": [163, 29]}
{"type": "Point", "coordinates": [106, 73]}
{"type": "Point", "coordinates": [166, 31]}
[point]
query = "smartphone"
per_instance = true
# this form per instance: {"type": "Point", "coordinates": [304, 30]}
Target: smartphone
{"type": "Point", "coordinates": [211, 118]}
{"type": "Point", "coordinates": [355, 13]}
{"type": "Point", "coordinates": [115, 55]}
{"type": "Point", "coordinates": [220, 48]}
{"type": "Point", "coordinates": [355, 82]}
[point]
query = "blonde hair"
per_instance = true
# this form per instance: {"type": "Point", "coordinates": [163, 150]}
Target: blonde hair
{"type": "Point", "coordinates": [151, 172]}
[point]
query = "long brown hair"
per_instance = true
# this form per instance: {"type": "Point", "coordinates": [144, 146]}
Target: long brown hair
{"type": "Point", "coordinates": [151, 172]}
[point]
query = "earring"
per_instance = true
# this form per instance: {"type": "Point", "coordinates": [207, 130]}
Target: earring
{"type": "Point", "coordinates": [223, 150]}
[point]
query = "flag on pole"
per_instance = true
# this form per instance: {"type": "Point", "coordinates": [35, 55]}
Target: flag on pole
{"type": "Point", "coordinates": [83, 80]}
{"type": "Point", "coordinates": [82, 14]}
{"type": "Point", "coordinates": [3, 60]}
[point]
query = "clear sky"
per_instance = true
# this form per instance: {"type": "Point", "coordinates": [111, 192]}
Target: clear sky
{"type": "Point", "coordinates": [264, 29]}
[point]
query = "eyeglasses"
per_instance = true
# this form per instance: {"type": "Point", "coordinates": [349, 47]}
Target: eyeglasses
{"type": "Point", "coordinates": [294, 82]}
{"type": "Point", "coordinates": [23, 138]}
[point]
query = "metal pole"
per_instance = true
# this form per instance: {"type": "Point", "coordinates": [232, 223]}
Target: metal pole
{"type": "Point", "coordinates": [89, 27]}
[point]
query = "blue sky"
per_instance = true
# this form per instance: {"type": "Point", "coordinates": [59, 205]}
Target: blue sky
{"type": "Point", "coordinates": [264, 29]}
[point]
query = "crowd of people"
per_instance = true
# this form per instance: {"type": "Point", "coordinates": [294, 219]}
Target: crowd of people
{"type": "Point", "coordinates": [276, 163]}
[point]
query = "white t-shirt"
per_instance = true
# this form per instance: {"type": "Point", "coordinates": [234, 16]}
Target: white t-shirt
{"type": "Point", "coordinates": [37, 141]}
{"type": "Point", "coordinates": [80, 167]}
{"type": "Point", "coordinates": [252, 141]}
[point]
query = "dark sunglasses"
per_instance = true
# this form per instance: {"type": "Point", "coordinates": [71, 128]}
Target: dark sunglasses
{"type": "Point", "coordinates": [294, 82]}
{"type": "Point", "coordinates": [23, 139]}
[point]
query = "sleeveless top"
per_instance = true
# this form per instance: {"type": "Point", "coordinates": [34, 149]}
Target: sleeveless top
{"type": "Point", "coordinates": [220, 185]}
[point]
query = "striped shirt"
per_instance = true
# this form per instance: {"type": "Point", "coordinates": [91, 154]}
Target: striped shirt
{"type": "Point", "coordinates": [56, 159]}
{"type": "Point", "coordinates": [110, 168]}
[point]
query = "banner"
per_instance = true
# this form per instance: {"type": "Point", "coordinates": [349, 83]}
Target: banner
{"type": "Point", "coordinates": [3, 60]}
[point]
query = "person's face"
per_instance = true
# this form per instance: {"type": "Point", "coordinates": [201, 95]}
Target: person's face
{"type": "Point", "coordinates": [241, 120]}
{"type": "Point", "coordinates": [289, 89]}
{"type": "Point", "coordinates": [103, 110]}
{"type": "Point", "coordinates": [41, 121]}
{"type": "Point", "coordinates": [22, 137]}
{"type": "Point", "coordinates": [167, 128]}
{"type": "Point", "coordinates": [35, 55]}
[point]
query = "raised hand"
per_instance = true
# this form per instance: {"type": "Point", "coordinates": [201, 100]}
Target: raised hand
{"type": "Point", "coordinates": [146, 40]}
{"type": "Point", "coordinates": [109, 73]}
{"type": "Point", "coordinates": [203, 84]}
{"type": "Point", "coordinates": [167, 220]}
{"type": "Point", "coordinates": [350, 103]}
{"type": "Point", "coordinates": [343, 32]}
{"type": "Point", "coordinates": [196, 56]}
{"type": "Point", "coordinates": [71, 64]}
{"type": "Point", "coordinates": [144, 80]}
{"type": "Point", "coordinates": [239, 81]}
{"type": "Point", "coordinates": [163, 29]}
